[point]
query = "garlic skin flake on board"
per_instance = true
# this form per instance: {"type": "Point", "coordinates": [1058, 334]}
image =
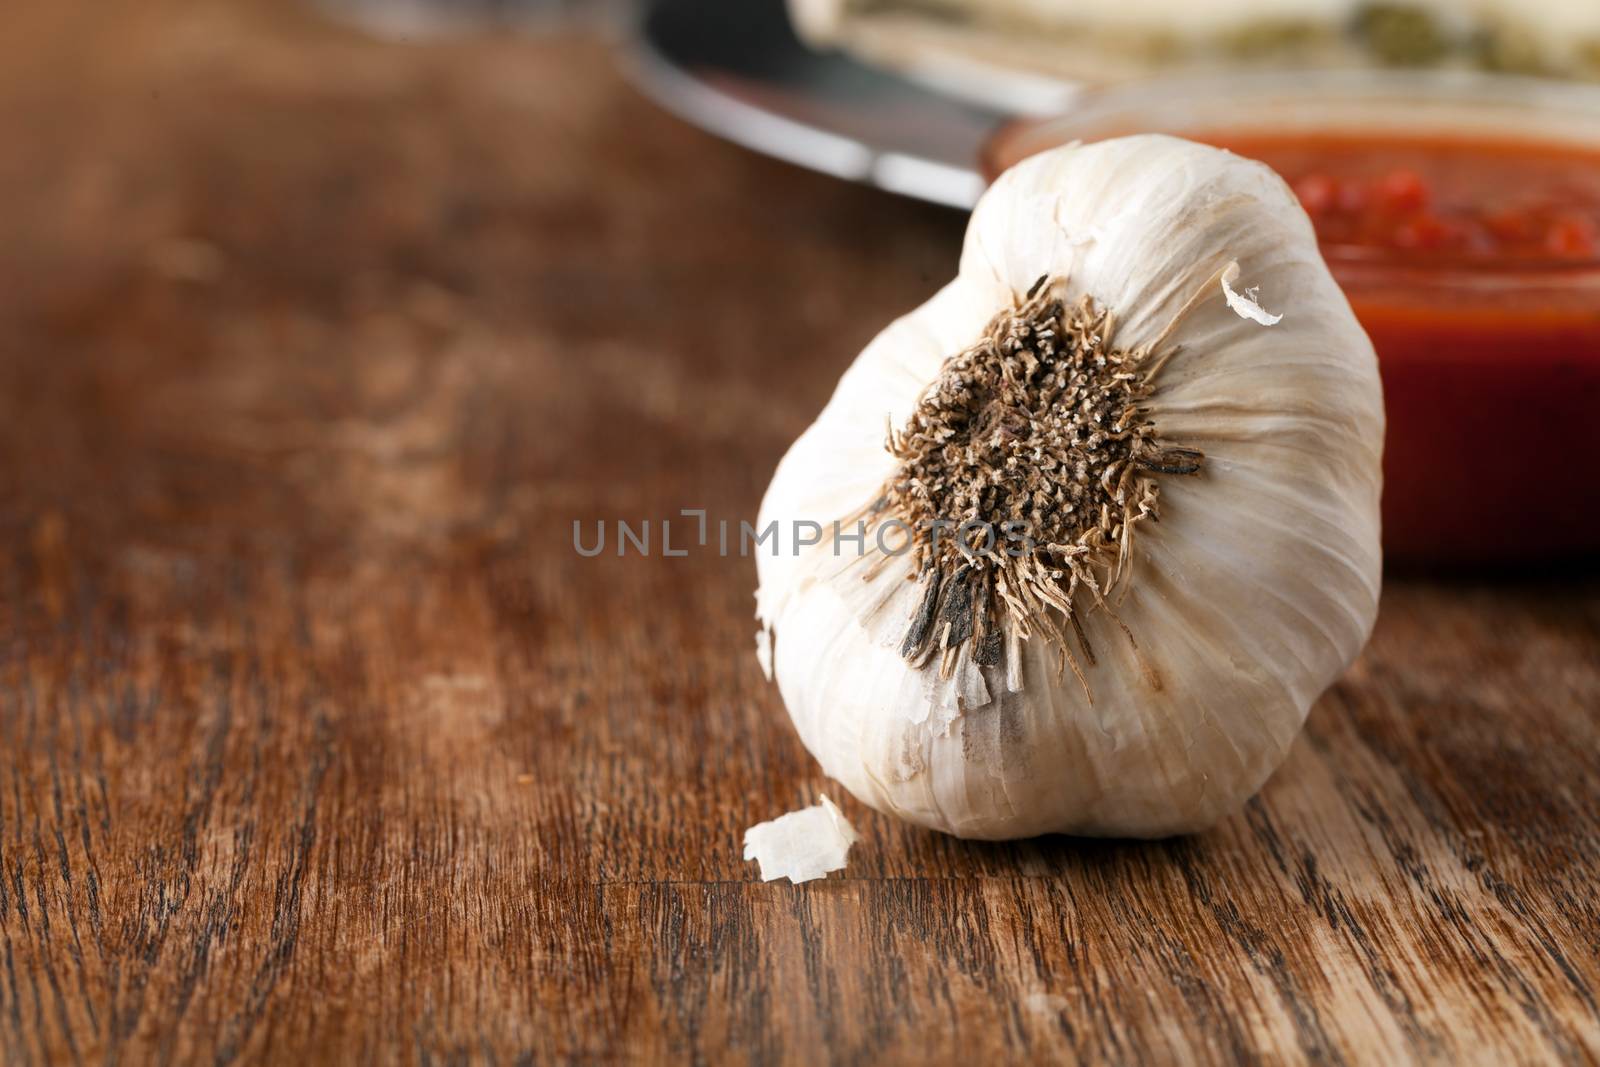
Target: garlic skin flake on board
{"type": "Point", "coordinates": [801, 845]}
{"type": "Point", "coordinates": [1199, 478]}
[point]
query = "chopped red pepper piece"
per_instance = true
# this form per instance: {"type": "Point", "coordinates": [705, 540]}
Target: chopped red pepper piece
{"type": "Point", "coordinates": [1401, 192]}
{"type": "Point", "coordinates": [1571, 236]}
{"type": "Point", "coordinates": [1318, 193]}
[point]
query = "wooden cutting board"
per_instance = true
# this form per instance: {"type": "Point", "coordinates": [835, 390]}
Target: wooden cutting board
{"type": "Point", "coordinates": [319, 743]}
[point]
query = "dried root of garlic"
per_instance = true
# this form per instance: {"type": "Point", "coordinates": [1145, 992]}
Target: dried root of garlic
{"type": "Point", "coordinates": [1123, 527]}
{"type": "Point", "coordinates": [801, 845]}
{"type": "Point", "coordinates": [1039, 427]}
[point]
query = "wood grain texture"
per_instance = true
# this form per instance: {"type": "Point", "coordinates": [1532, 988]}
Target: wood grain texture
{"type": "Point", "coordinates": [319, 745]}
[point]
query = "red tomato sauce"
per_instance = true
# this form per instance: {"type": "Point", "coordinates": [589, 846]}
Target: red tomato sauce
{"type": "Point", "coordinates": [1475, 267]}
{"type": "Point", "coordinates": [1441, 199]}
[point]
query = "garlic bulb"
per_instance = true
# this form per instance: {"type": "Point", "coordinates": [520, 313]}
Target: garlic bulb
{"type": "Point", "coordinates": [1147, 385]}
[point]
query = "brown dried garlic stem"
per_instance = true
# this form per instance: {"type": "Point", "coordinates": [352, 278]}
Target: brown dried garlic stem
{"type": "Point", "coordinates": [1037, 425]}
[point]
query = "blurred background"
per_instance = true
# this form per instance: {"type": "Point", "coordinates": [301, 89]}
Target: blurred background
{"type": "Point", "coordinates": [459, 165]}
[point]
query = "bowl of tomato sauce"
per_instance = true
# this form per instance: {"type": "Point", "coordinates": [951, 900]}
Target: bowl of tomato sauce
{"type": "Point", "coordinates": [1460, 213]}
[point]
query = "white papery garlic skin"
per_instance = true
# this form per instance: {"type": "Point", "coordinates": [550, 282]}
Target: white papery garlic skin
{"type": "Point", "coordinates": [802, 845]}
{"type": "Point", "coordinates": [1252, 593]}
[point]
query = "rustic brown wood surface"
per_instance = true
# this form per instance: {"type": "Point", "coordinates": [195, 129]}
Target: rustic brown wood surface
{"type": "Point", "coordinates": [318, 743]}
